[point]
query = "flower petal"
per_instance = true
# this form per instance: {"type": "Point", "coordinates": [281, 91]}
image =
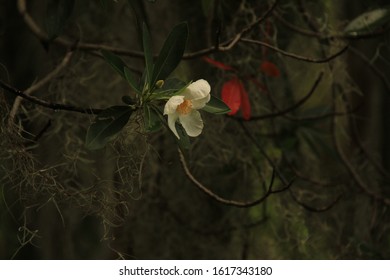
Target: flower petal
{"type": "Point", "coordinates": [199, 89]}
{"type": "Point", "coordinates": [172, 123]}
{"type": "Point", "coordinates": [245, 103]}
{"type": "Point", "coordinates": [172, 103]}
{"type": "Point", "coordinates": [200, 103]}
{"type": "Point", "coordinates": [217, 64]}
{"type": "Point", "coordinates": [192, 123]}
{"type": "Point", "coordinates": [231, 95]}
{"type": "Point", "coordinates": [270, 69]}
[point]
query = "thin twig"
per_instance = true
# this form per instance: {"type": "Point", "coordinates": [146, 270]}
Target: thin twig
{"type": "Point", "coordinates": [356, 137]}
{"type": "Point", "coordinates": [295, 56]}
{"type": "Point", "coordinates": [314, 209]}
{"type": "Point", "coordinates": [38, 85]}
{"type": "Point", "coordinates": [265, 155]}
{"type": "Point", "coordinates": [289, 109]}
{"type": "Point", "coordinates": [227, 45]}
{"type": "Point", "coordinates": [306, 17]}
{"type": "Point", "coordinates": [44, 103]}
{"type": "Point", "coordinates": [235, 203]}
{"type": "Point", "coordinates": [374, 69]}
{"type": "Point", "coordinates": [316, 34]}
{"type": "Point", "coordinates": [351, 169]}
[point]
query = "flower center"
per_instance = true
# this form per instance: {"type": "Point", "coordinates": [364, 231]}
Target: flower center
{"type": "Point", "coordinates": [185, 107]}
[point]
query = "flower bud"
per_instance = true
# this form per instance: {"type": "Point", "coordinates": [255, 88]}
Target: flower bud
{"type": "Point", "coordinates": [159, 83]}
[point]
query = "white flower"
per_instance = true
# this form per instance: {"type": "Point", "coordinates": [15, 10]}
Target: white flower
{"type": "Point", "coordinates": [184, 108]}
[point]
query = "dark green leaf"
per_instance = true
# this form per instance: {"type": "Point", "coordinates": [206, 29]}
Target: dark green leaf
{"type": "Point", "coordinates": [140, 14]}
{"type": "Point", "coordinates": [116, 62]}
{"type": "Point", "coordinates": [152, 119]}
{"type": "Point", "coordinates": [368, 22]}
{"type": "Point", "coordinates": [57, 13]}
{"type": "Point", "coordinates": [106, 126]}
{"type": "Point", "coordinates": [131, 79]}
{"type": "Point", "coordinates": [171, 53]}
{"type": "Point", "coordinates": [216, 106]}
{"type": "Point", "coordinates": [147, 44]}
{"type": "Point", "coordinates": [121, 68]}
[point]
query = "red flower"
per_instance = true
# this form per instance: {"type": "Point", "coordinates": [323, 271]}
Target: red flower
{"type": "Point", "coordinates": [236, 97]}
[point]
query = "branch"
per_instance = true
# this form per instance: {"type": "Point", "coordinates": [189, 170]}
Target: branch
{"type": "Point", "coordinates": [41, 35]}
{"type": "Point", "coordinates": [349, 166]}
{"type": "Point", "coordinates": [44, 103]}
{"type": "Point", "coordinates": [38, 85]}
{"type": "Point", "coordinates": [375, 69]}
{"type": "Point", "coordinates": [235, 203]}
{"type": "Point", "coordinates": [265, 155]}
{"type": "Point", "coordinates": [289, 109]}
{"type": "Point", "coordinates": [227, 45]}
{"type": "Point", "coordinates": [314, 209]}
{"type": "Point", "coordinates": [331, 36]}
{"type": "Point", "coordinates": [295, 56]}
{"type": "Point", "coordinates": [378, 166]}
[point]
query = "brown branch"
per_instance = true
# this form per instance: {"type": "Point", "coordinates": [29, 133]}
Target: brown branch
{"type": "Point", "coordinates": [374, 69]}
{"type": "Point", "coordinates": [41, 35]}
{"type": "Point", "coordinates": [46, 104]}
{"type": "Point", "coordinates": [289, 109]}
{"type": "Point", "coordinates": [350, 168]}
{"type": "Point", "coordinates": [306, 17]}
{"type": "Point", "coordinates": [313, 181]}
{"type": "Point", "coordinates": [216, 197]}
{"type": "Point", "coordinates": [265, 155]}
{"type": "Point", "coordinates": [203, 229]}
{"type": "Point", "coordinates": [314, 209]}
{"type": "Point", "coordinates": [313, 117]}
{"type": "Point", "coordinates": [227, 45]}
{"type": "Point", "coordinates": [331, 36]}
{"type": "Point", "coordinates": [38, 85]}
{"type": "Point", "coordinates": [282, 178]}
{"type": "Point", "coordinates": [356, 137]}
{"type": "Point", "coordinates": [295, 56]}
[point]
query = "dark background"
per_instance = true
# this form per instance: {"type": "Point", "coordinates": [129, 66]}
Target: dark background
{"type": "Point", "coordinates": [133, 199]}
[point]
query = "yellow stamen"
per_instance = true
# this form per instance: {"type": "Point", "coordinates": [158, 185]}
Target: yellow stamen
{"type": "Point", "coordinates": [185, 107]}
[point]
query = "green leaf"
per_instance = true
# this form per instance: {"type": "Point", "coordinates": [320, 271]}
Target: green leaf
{"type": "Point", "coordinates": [106, 126]}
{"type": "Point", "coordinates": [368, 22]}
{"type": "Point", "coordinates": [57, 13]}
{"type": "Point", "coordinates": [147, 44]}
{"type": "Point", "coordinates": [140, 14]}
{"type": "Point", "coordinates": [131, 79]}
{"type": "Point", "coordinates": [171, 53]}
{"type": "Point", "coordinates": [121, 68]}
{"type": "Point", "coordinates": [116, 62]}
{"type": "Point", "coordinates": [216, 106]}
{"type": "Point", "coordinates": [152, 119]}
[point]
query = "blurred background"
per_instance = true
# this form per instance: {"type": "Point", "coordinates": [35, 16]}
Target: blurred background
{"type": "Point", "coordinates": [318, 121]}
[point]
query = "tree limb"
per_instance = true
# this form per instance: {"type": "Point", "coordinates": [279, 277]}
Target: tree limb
{"type": "Point", "coordinates": [216, 197]}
